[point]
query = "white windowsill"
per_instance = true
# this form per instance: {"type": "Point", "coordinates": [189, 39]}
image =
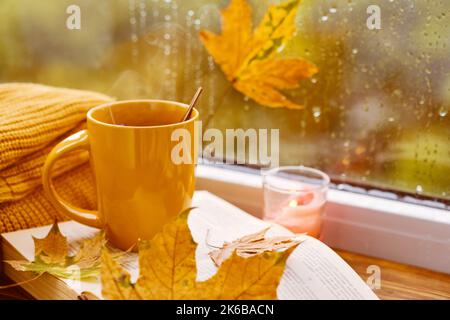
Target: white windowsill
{"type": "Point", "coordinates": [388, 229]}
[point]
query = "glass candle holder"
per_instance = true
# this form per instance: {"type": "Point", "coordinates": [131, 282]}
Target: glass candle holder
{"type": "Point", "coordinates": [295, 197]}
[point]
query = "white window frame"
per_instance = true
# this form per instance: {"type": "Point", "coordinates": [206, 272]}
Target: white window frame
{"type": "Point", "coordinates": [389, 229]}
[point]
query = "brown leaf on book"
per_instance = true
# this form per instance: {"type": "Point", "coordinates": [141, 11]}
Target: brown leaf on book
{"type": "Point", "coordinates": [168, 270]}
{"type": "Point", "coordinates": [247, 57]}
{"type": "Point", "coordinates": [52, 256]}
{"type": "Point", "coordinates": [251, 245]}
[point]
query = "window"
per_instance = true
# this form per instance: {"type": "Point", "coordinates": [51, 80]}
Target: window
{"type": "Point", "coordinates": [376, 114]}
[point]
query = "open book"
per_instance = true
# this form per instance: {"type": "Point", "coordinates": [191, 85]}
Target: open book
{"type": "Point", "coordinates": [313, 271]}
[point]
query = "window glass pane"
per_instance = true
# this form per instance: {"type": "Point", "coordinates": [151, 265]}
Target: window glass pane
{"type": "Point", "coordinates": [376, 113]}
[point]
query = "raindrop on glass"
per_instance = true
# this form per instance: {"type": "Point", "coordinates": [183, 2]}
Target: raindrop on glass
{"type": "Point", "coordinates": [316, 112]}
{"type": "Point", "coordinates": [419, 188]}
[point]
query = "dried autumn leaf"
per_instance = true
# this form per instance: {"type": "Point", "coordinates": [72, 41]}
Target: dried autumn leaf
{"type": "Point", "coordinates": [253, 278]}
{"type": "Point", "coordinates": [251, 245]}
{"type": "Point", "coordinates": [168, 271]}
{"type": "Point", "coordinates": [89, 252]}
{"type": "Point", "coordinates": [52, 256]}
{"type": "Point", "coordinates": [248, 59]}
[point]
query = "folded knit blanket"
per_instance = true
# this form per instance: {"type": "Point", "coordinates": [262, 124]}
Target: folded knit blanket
{"type": "Point", "coordinates": [33, 119]}
{"type": "Point", "coordinates": [76, 186]}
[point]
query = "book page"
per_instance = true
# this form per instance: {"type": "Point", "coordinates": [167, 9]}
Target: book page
{"type": "Point", "coordinates": [313, 271]}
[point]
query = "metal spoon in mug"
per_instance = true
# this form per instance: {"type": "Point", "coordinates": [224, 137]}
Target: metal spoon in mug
{"type": "Point", "coordinates": [194, 100]}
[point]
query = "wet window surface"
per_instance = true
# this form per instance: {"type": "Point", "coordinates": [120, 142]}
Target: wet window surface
{"type": "Point", "coordinates": [376, 114]}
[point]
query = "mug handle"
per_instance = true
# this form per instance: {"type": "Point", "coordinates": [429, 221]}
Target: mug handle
{"type": "Point", "coordinates": [79, 140]}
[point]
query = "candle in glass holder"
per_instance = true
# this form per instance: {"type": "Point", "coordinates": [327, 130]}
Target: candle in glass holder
{"type": "Point", "coordinates": [294, 197]}
{"type": "Point", "coordinates": [302, 214]}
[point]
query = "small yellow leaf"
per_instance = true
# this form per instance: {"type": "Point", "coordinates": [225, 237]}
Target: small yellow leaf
{"type": "Point", "coordinates": [53, 248]}
{"type": "Point", "coordinates": [248, 59]}
{"type": "Point", "coordinates": [52, 256]}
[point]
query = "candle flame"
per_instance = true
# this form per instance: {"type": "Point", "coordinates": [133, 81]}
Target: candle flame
{"type": "Point", "coordinates": [293, 203]}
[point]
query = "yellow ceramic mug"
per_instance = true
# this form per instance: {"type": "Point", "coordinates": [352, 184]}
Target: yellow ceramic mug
{"type": "Point", "coordinates": [139, 187]}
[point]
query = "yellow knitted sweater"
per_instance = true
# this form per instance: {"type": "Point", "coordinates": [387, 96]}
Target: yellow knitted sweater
{"type": "Point", "coordinates": [33, 118]}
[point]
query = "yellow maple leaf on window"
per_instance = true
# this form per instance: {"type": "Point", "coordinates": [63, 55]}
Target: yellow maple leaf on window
{"type": "Point", "coordinates": [248, 57]}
